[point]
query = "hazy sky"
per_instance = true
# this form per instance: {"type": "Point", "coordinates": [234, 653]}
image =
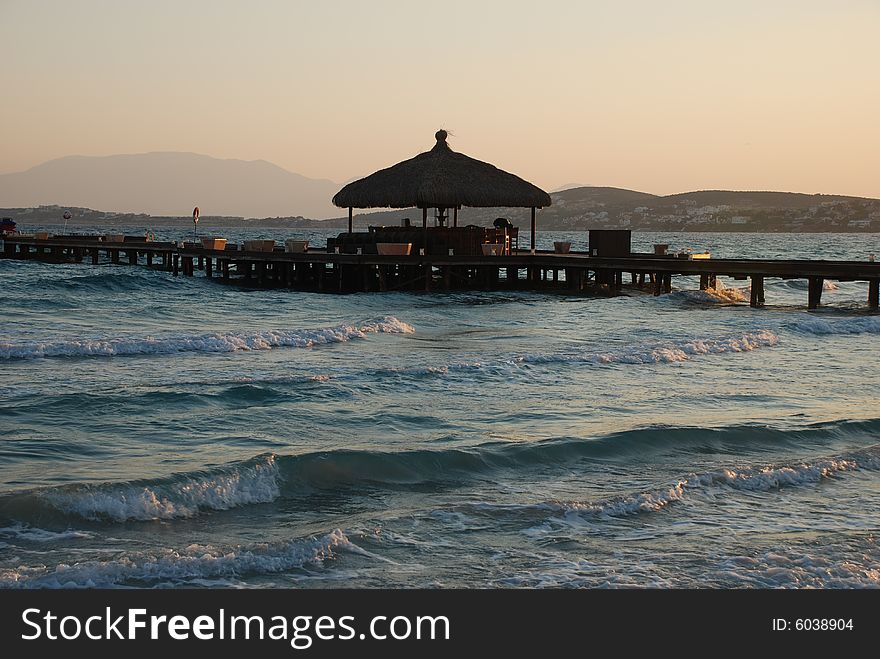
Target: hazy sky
{"type": "Point", "coordinates": [660, 96]}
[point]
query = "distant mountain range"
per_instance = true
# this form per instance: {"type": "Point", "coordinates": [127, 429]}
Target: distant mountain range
{"type": "Point", "coordinates": [157, 188]}
{"type": "Point", "coordinates": [170, 183]}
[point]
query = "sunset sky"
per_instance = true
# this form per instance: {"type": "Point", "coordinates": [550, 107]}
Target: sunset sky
{"type": "Point", "coordinates": [656, 96]}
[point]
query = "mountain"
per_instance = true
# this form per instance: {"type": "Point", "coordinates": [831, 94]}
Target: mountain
{"type": "Point", "coordinates": [170, 183]}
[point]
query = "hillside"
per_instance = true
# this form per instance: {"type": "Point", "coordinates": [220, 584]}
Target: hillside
{"type": "Point", "coordinates": [572, 210]}
{"type": "Point", "coordinates": [706, 210]}
{"type": "Point", "coordinates": [169, 183]}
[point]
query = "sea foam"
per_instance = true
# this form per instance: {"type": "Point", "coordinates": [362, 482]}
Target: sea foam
{"type": "Point", "coordinates": [218, 342]}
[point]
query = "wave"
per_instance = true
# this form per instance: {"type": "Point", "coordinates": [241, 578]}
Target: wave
{"type": "Point", "coordinates": [751, 479]}
{"type": "Point", "coordinates": [268, 477]}
{"type": "Point", "coordinates": [115, 281]}
{"type": "Point", "coordinates": [803, 284]}
{"type": "Point", "coordinates": [28, 533]}
{"type": "Point", "coordinates": [822, 327]}
{"type": "Point", "coordinates": [716, 295]}
{"type": "Point", "coordinates": [669, 352]}
{"type": "Point", "coordinates": [219, 342]}
{"type": "Point", "coordinates": [194, 563]}
{"type": "Point", "coordinates": [181, 496]}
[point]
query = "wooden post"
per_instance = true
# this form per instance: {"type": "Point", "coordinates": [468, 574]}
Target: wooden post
{"type": "Point", "coordinates": [533, 228]}
{"type": "Point", "coordinates": [874, 293]}
{"type": "Point", "coordinates": [455, 216]}
{"type": "Point", "coordinates": [667, 282]}
{"type": "Point", "coordinates": [815, 292]}
{"type": "Point", "coordinates": [757, 294]}
{"type": "Point", "coordinates": [209, 267]}
{"type": "Point", "coordinates": [658, 283]}
{"type": "Point", "coordinates": [95, 255]}
{"type": "Point", "coordinates": [350, 219]}
{"type": "Point", "coordinates": [704, 282]}
{"type": "Point", "coordinates": [149, 259]}
{"type": "Point", "coordinates": [224, 268]}
{"type": "Point", "coordinates": [176, 264]}
{"type": "Point", "coordinates": [425, 228]}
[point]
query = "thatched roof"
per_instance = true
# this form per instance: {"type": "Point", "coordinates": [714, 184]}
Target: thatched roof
{"type": "Point", "coordinates": [441, 178]}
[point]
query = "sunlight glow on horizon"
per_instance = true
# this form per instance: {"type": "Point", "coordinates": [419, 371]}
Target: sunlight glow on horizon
{"type": "Point", "coordinates": [661, 98]}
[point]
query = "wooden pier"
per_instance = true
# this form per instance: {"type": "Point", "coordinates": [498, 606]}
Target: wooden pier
{"type": "Point", "coordinates": [330, 272]}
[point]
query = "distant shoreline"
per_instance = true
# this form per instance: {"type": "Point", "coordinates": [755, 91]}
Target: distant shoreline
{"type": "Point", "coordinates": [185, 225]}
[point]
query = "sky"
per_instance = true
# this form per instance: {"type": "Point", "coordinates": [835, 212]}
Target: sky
{"type": "Point", "coordinates": [661, 97]}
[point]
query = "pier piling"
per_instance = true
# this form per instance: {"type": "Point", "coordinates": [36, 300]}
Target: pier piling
{"type": "Point", "coordinates": [757, 291]}
{"type": "Point", "coordinates": [815, 292]}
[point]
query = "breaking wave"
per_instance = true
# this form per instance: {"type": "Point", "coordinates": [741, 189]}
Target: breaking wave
{"type": "Point", "coordinates": [678, 351]}
{"type": "Point", "coordinates": [752, 479]}
{"type": "Point", "coordinates": [194, 563]}
{"type": "Point", "coordinates": [218, 342]}
{"type": "Point", "coordinates": [181, 496]}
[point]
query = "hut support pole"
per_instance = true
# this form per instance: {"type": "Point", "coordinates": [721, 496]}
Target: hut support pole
{"type": "Point", "coordinates": [874, 293]}
{"type": "Point", "coordinates": [425, 228]}
{"type": "Point", "coordinates": [455, 216]}
{"type": "Point", "coordinates": [533, 229]}
{"type": "Point", "coordinates": [350, 219]}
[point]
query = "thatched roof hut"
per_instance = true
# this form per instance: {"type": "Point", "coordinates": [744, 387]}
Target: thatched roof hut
{"type": "Point", "coordinates": [443, 179]}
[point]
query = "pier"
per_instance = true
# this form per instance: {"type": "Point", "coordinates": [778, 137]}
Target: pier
{"type": "Point", "coordinates": [325, 271]}
{"type": "Point", "coordinates": [445, 256]}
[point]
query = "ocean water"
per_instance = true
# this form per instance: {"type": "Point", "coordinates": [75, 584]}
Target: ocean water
{"type": "Point", "coordinates": [169, 432]}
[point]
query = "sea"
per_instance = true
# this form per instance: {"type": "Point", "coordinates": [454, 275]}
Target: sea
{"type": "Point", "coordinates": [162, 432]}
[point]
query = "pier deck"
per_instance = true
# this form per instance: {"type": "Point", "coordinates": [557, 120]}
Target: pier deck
{"type": "Point", "coordinates": [318, 270]}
